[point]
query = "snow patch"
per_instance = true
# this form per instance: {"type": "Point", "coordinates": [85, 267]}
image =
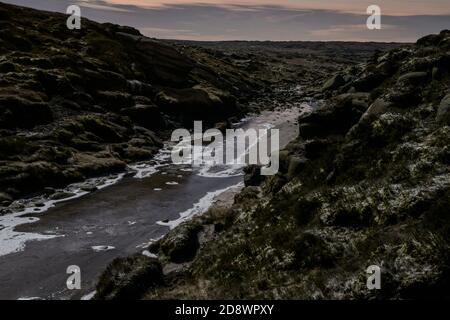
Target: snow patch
{"type": "Point", "coordinates": [102, 248]}
{"type": "Point", "coordinates": [149, 254]}
{"type": "Point", "coordinates": [89, 296]}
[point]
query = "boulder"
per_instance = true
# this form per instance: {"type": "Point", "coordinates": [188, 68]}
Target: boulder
{"type": "Point", "coordinates": [387, 67]}
{"type": "Point", "coordinates": [91, 165]}
{"type": "Point", "coordinates": [181, 244]}
{"type": "Point", "coordinates": [370, 81]}
{"type": "Point", "coordinates": [377, 108]}
{"type": "Point", "coordinates": [58, 155]}
{"type": "Point", "coordinates": [296, 165]}
{"type": "Point", "coordinates": [443, 114]}
{"type": "Point", "coordinates": [135, 154]}
{"type": "Point", "coordinates": [114, 100]}
{"type": "Point", "coordinates": [129, 278]}
{"type": "Point", "coordinates": [116, 81]}
{"type": "Point", "coordinates": [12, 146]}
{"type": "Point", "coordinates": [53, 83]}
{"type": "Point", "coordinates": [93, 79]}
{"type": "Point", "coordinates": [430, 40]}
{"type": "Point", "coordinates": [390, 127]}
{"type": "Point", "coordinates": [115, 28]}
{"type": "Point", "coordinates": [436, 40]}
{"type": "Point", "coordinates": [147, 135]}
{"type": "Point", "coordinates": [83, 144]}
{"type": "Point", "coordinates": [19, 112]}
{"type": "Point", "coordinates": [414, 78]}
{"type": "Point", "coordinates": [197, 103]}
{"type": "Point", "coordinates": [253, 175]}
{"type": "Point", "coordinates": [83, 99]}
{"type": "Point", "coordinates": [137, 87]}
{"type": "Point", "coordinates": [103, 128]}
{"type": "Point", "coordinates": [63, 61]}
{"type": "Point", "coordinates": [29, 177]}
{"type": "Point", "coordinates": [89, 188]}
{"type": "Point", "coordinates": [405, 97]}
{"type": "Point", "coordinates": [335, 117]}
{"type": "Point", "coordinates": [148, 116]}
{"type": "Point", "coordinates": [5, 199]}
{"type": "Point", "coordinates": [333, 83]}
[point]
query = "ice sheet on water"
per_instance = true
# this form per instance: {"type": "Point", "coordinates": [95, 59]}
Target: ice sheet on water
{"type": "Point", "coordinates": [13, 241]}
{"type": "Point", "coordinates": [149, 254]}
{"type": "Point", "coordinates": [102, 248]}
{"type": "Point", "coordinates": [200, 207]}
{"type": "Point", "coordinates": [89, 296]}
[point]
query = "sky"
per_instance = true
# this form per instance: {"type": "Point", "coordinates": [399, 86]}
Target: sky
{"type": "Point", "coordinates": [324, 20]}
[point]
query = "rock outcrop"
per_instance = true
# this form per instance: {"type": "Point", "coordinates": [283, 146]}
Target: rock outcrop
{"type": "Point", "coordinates": [129, 278]}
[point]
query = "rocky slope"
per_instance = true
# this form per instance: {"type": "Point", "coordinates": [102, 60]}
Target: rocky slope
{"type": "Point", "coordinates": [287, 64]}
{"type": "Point", "coordinates": [81, 103]}
{"type": "Point", "coordinates": [367, 182]}
{"type": "Point", "coordinates": [78, 103]}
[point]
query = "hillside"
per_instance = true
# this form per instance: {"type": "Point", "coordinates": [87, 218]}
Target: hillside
{"type": "Point", "coordinates": [79, 103]}
{"type": "Point", "coordinates": [367, 182]}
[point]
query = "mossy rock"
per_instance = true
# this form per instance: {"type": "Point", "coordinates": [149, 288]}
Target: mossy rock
{"type": "Point", "coordinates": [253, 175]}
{"type": "Point", "coordinates": [18, 112]}
{"type": "Point", "coordinates": [333, 83]}
{"type": "Point", "coordinates": [413, 77]}
{"type": "Point", "coordinates": [102, 128]}
{"type": "Point", "coordinates": [129, 278]}
{"type": "Point", "coordinates": [443, 114]}
{"type": "Point", "coordinates": [148, 116]}
{"type": "Point", "coordinates": [181, 244]}
{"type": "Point", "coordinates": [90, 165]}
{"type": "Point", "coordinates": [114, 100]}
{"type": "Point", "coordinates": [13, 146]}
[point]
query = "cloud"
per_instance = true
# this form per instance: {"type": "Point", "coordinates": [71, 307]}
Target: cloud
{"type": "Point", "coordinates": [227, 21]}
{"type": "Point", "coordinates": [393, 8]}
{"type": "Point", "coordinates": [87, 4]}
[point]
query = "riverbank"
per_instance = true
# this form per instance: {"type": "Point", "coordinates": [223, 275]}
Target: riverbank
{"type": "Point", "coordinates": [124, 218]}
{"type": "Point", "coordinates": [196, 226]}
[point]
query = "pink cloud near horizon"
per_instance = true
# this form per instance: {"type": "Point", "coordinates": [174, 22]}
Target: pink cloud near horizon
{"type": "Point", "coordinates": [390, 7]}
{"type": "Point", "coordinates": [324, 20]}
